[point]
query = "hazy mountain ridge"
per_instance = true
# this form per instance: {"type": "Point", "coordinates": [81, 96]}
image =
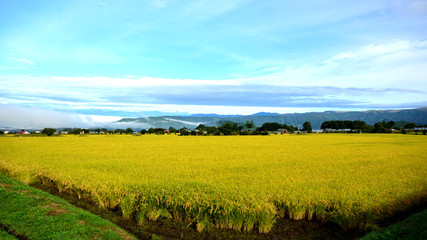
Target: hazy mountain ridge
{"type": "Point", "coordinates": [419, 116]}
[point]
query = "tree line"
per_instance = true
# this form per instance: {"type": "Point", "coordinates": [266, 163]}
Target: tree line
{"type": "Point", "coordinates": [249, 128]}
{"type": "Point", "coordinates": [361, 126]}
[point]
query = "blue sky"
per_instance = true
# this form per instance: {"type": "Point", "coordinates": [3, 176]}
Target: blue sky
{"type": "Point", "coordinates": [136, 58]}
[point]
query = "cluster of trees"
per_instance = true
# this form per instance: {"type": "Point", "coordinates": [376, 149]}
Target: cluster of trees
{"type": "Point", "coordinates": [98, 131]}
{"type": "Point", "coordinates": [379, 127]}
{"type": "Point", "coordinates": [383, 127]}
{"type": "Point", "coordinates": [228, 128]}
{"type": "Point", "coordinates": [273, 126]}
{"type": "Point", "coordinates": [347, 124]}
{"type": "Point", "coordinates": [49, 131]}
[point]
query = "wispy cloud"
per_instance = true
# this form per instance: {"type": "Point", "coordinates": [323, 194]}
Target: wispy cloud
{"type": "Point", "coordinates": [373, 51]}
{"type": "Point", "coordinates": [399, 63]}
{"type": "Point", "coordinates": [22, 60]}
{"type": "Point", "coordinates": [124, 96]}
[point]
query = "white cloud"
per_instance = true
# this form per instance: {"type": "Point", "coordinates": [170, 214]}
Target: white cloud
{"type": "Point", "coordinates": [372, 51]}
{"type": "Point", "coordinates": [185, 122]}
{"type": "Point", "coordinates": [399, 64]}
{"type": "Point", "coordinates": [22, 60]}
{"type": "Point", "coordinates": [141, 82]}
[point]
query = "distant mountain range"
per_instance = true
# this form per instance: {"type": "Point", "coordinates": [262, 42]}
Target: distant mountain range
{"type": "Point", "coordinates": [418, 116]}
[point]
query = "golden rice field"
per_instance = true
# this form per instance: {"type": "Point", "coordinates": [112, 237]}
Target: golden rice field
{"type": "Point", "coordinates": [232, 182]}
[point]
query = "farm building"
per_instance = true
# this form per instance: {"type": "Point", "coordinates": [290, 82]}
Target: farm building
{"type": "Point", "coordinates": [281, 131]}
{"type": "Point", "coordinates": [23, 132]}
{"type": "Point", "coordinates": [318, 131]}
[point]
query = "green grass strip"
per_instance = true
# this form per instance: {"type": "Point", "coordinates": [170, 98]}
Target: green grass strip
{"type": "Point", "coordinates": [413, 227]}
{"type": "Point", "coordinates": [6, 236]}
{"type": "Point", "coordinates": [34, 214]}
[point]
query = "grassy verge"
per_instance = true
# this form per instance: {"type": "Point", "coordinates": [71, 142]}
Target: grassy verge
{"type": "Point", "coordinates": [6, 236]}
{"type": "Point", "coordinates": [413, 227]}
{"type": "Point", "coordinates": [32, 214]}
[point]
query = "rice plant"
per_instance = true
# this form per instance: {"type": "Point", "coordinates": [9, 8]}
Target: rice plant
{"type": "Point", "coordinates": [242, 183]}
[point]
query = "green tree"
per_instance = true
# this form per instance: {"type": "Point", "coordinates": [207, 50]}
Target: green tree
{"type": "Point", "coordinates": [159, 131]}
{"type": "Point", "coordinates": [380, 128]}
{"type": "Point", "coordinates": [410, 125]}
{"type": "Point", "coordinates": [129, 131]}
{"type": "Point", "coordinates": [390, 124]}
{"type": "Point", "coordinates": [172, 130]}
{"type": "Point", "coordinates": [119, 131]}
{"type": "Point", "coordinates": [49, 131]}
{"type": "Point", "coordinates": [184, 131]}
{"type": "Point", "coordinates": [201, 127]}
{"type": "Point", "coordinates": [249, 124]}
{"type": "Point", "coordinates": [76, 131]}
{"type": "Point", "coordinates": [307, 127]}
{"type": "Point", "coordinates": [229, 128]}
{"type": "Point", "coordinates": [211, 130]}
{"type": "Point", "coordinates": [367, 129]}
{"type": "Point", "coordinates": [270, 126]}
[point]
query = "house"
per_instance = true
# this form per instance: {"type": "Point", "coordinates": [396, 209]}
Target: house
{"type": "Point", "coordinates": [23, 131]}
{"type": "Point", "coordinates": [37, 132]}
{"type": "Point", "coordinates": [337, 130]}
{"type": "Point", "coordinates": [281, 131]}
{"type": "Point", "coordinates": [64, 132]}
{"type": "Point", "coordinates": [6, 132]}
{"type": "Point", "coordinates": [318, 131]}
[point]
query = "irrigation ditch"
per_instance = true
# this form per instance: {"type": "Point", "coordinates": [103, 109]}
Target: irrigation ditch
{"type": "Point", "coordinates": [178, 229]}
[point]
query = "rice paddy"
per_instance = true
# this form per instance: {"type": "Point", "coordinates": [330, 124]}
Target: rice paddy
{"type": "Point", "coordinates": [242, 183]}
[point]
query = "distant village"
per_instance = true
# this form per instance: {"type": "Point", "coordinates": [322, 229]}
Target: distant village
{"type": "Point", "coordinates": [232, 128]}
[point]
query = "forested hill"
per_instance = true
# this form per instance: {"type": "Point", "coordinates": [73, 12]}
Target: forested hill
{"type": "Point", "coordinates": [418, 116]}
